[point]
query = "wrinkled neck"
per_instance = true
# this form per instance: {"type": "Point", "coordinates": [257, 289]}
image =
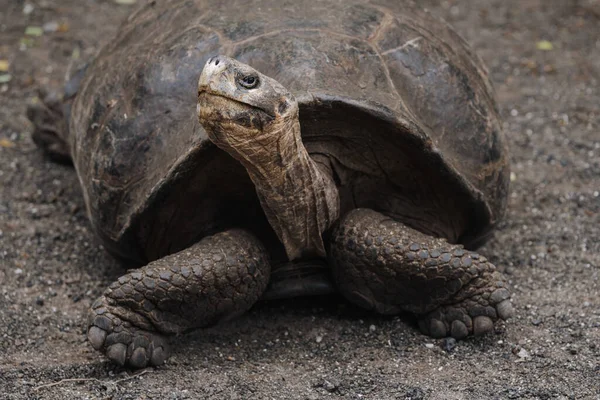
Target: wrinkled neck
{"type": "Point", "coordinates": [298, 196]}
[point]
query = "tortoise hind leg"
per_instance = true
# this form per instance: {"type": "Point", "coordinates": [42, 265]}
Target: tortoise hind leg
{"type": "Point", "coordinates": [381, 264]}
{"type": "Point", "coordinates": [217, 278]}
{"type": "Point", "coordinates": [50, 118]}
{"type": "Point", "coordinates": [50, 127]}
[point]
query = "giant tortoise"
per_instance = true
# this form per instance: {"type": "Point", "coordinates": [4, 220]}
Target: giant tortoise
{"type": "Point", "coordinates": [238, 150]}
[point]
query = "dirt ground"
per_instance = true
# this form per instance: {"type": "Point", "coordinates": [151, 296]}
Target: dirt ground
{"type": "Point", "coordinates": [544, 58]}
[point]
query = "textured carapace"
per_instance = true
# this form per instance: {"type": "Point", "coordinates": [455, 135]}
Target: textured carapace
{"type": "Point", "coordinates": [390, 96]}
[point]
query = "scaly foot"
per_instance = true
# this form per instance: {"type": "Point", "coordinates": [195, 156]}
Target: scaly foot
{"type": "Point", "coordinates": [121, 341]}
{"type": "Point", "coordinates": [215, 279]}
{"type": "Point", "coordinates": [474, 315]}
{"type": "Point", "coordinates": [384, 265]}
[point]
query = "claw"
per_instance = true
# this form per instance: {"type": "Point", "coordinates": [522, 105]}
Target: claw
{"type": "Point", "coordinates": [458, 330]}
{"type": "Point", "coordinates": [117, 353]}
{"type": "Point", "coordinates": [96, 336]}
{"type": "Point", "coordinates": [482, 325]}
{"type": "Point", "coordinates": [505, 310]}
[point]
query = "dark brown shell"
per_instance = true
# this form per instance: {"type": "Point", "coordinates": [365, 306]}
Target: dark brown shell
{"type": "Point", "coordinates": [392, 95]}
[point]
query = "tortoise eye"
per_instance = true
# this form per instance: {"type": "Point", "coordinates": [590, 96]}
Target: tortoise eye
{"type": "Point", "coordinates": [248, 81]}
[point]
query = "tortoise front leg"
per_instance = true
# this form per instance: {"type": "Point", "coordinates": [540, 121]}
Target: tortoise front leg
{"type": "Point", "coordinates": [217, 278]}
{"type": "Point", "coordinates": [381, 264]}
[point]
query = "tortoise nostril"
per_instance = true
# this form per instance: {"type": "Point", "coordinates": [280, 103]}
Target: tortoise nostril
{"type": "Point", "coordinates": [217, 61]}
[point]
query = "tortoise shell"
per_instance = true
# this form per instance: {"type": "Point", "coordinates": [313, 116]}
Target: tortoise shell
{"type": "Point", "coordinates": [389, 93]}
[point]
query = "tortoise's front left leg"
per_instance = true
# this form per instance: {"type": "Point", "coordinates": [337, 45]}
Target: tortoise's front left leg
{"type": "Point", "coordinates": [219, 277]}
{"type": "Point", "coordinates": [384, 265]}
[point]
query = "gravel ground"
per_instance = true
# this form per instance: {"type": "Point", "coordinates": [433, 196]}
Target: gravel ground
{"type": "Point", "coordinates": [52, 267]}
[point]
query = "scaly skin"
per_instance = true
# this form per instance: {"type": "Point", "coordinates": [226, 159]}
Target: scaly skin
{"type": "Point", "coordinates": [217, 278]}
{"type": "Point", "coordinates": [381, 264]}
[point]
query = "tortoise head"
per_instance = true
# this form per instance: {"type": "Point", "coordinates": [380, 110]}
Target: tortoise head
{"type": "Point", "coordinates": [243, 110]}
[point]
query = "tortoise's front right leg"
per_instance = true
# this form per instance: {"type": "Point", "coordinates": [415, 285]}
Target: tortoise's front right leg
{"type": "Point", "coordinates": [384, 265]}
{"type": "Point", "coordinates": [217, 278]}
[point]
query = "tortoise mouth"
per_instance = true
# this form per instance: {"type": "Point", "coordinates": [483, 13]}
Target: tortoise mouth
{"type": "Point", "coordinates": [210, 101]}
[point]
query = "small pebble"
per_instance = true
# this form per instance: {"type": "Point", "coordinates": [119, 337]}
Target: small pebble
{"type": "Point", "coordinates": [330, 387]}
{"type": "Point", "coordinates": [372, 328]}
{"type": "Point", "coordinates": [449, 344]}
{"type": "Point", "coordinates": [429, 345]}
{"type": "Point", "coordinates": [523, 353]}
{"type": "Point", "coordinates": [50, 27]}
{"type": "Point", "coordinates": [319, 339]}
{"type": "Point", "coordinates": [39, 301]}
{"type": "Point", "coordinates": [28, 9]}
